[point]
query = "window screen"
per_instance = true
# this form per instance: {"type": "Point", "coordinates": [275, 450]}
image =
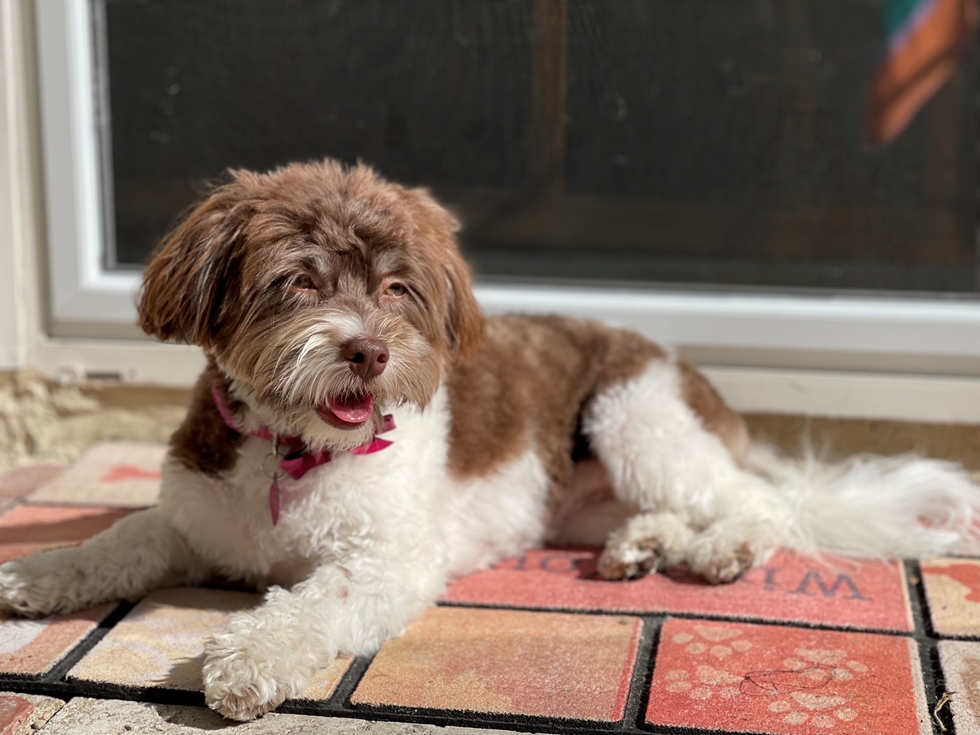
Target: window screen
{"type": "Point", "coordinates": [715, 143]}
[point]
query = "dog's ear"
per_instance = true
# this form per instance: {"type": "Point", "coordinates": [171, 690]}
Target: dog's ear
{"type": "Point", "coordinates": [184, 285]}
{"type": "Point", "coordinates": [464, 322]}
{"type": "Point", "coordinates": [465, 319]}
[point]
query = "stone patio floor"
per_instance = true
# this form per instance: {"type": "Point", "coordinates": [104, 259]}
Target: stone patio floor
{"type": "Point", "coordinates": [536, 644]}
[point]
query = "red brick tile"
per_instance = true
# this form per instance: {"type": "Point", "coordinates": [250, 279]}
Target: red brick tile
{"type": "Point", "coordinates": [14, 712]}
{"type": "Point", "coordinates": [961, 666]}
{"type": "Point", "coordinates": [740, 677]}
{"type": "Point", "coordinates": [504, 661]}
{"type": "Point", "coordinates": [953, 592]}
{"type": "Point", "coordinates": [34, 646]}
{"type": "Point", "coordinates": [160, 643]}
{"type": "Point", "coordinates": [22, 714]}
{"type": "Point", "coordinates": [30, 528]}
{"type": "Point", "coordinates": [843, 593]}
{"type": "Point", "coordinates": [24, 480]}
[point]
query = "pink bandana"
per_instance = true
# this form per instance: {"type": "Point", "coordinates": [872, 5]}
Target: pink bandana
{"type": "Point", "coordinates": [297, 461]}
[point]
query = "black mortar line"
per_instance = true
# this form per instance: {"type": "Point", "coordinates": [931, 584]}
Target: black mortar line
{"type": "Point", "coordinates": [935, 685]}
{"type": "Point", "coordinates": [918, 601]}
{"type": "Point", "coordinates": [61, 669]}
{"type": "Point", "coordinates": [639, 693]}
{"type": "Point", "coordinates": [340, 699]}
{"type": "Point", "coordinates": [933, 679]}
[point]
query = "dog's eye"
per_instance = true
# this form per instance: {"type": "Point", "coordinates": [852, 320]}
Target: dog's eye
{"type": "Point", "coordinates": [302, 283]}
{"type": "Point", "coordinates": [396, 290]}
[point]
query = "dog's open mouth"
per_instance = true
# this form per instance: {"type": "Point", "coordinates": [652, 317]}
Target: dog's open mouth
{"type": "Point", "coordinates": [346, 412]}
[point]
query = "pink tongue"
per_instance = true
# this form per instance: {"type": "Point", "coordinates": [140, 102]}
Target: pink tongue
{"type": "Point", "coordinates": [352, 409]}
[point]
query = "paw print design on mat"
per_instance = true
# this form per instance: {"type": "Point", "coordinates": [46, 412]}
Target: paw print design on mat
{"type": "Point", "coordinates": [779, 679]}
{"type": "Point", "coordinates": [815, 669]}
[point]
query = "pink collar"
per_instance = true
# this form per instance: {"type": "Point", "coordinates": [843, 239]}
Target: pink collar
{"type": "Point", "coordinates": [296, 461]}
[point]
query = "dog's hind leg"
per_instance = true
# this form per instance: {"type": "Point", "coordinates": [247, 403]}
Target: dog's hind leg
{"type": "Point", "coordinates": [137, 554]}
{"type": "Point", "coordinates": [671, 448]}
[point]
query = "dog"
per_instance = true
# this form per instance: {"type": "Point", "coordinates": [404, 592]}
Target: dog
{"type": "Point", "coordinates": [362, 434]}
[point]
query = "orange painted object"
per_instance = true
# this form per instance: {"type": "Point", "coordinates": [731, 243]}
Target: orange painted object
{"type": "Point", "coordinates": [124, 472]}
{"type": "Point", "coordinates": [917, 66]}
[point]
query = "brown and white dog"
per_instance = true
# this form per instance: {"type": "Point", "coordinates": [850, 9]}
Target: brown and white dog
{"type": "Point", "coordinates": [362, 434]}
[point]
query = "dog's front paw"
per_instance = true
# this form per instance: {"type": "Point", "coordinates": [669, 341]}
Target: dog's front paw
{"type": "Point", "coordinates": [721, 557]}
{"type": "Point", "coordinates": [252, 668]}
{"type": "Point", "coordinates": [237, 684]}
{"type": "Point", "coordinates": [730, 547]}
{"type": "Point", "coordinates": [234, 691]}
{"type": "Point", "coordinates": [646, 543]}
{"type": "Point", "coordinates": [27, 591]}
{"type": "Point", "coordinates": [723, 566]}
{"type": "Point", "coordinates": [630, 559]}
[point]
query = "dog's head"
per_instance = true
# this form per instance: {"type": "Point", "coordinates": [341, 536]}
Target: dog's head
{"type": "Point", "coordinates": [323, 291]}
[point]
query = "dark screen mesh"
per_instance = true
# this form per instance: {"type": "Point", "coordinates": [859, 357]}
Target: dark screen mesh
{"type": "Point", "coordinates": [690, 141]}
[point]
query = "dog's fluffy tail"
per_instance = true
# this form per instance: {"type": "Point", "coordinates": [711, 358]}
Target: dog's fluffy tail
{"type": "Point", "coordinates": [879, 507]}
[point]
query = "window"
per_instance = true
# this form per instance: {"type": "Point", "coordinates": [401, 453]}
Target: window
{"type": "Point", "coordinates": [692, 168]}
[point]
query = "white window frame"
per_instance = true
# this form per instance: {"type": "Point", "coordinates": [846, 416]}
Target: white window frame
{"type": "Point", "coordinates": [82, 290]}
{"type": "Point", "coordinates": [834, 355]}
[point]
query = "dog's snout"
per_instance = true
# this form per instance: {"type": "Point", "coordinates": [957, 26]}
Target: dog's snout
{"type": "Point", "coordinates": [366, 356]}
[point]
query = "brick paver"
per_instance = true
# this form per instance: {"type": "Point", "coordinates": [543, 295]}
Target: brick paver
{"type": "Point", "coordinates": [792, 588]}
{"type": "Point", "coordinates": [740, 677]}
{"type": "Point", "coordinates": [961, 667]}
{"type": "Point", "coordinates": [119, 474]}
{"type": "Point", "coordinates": [24, 714]}
{"type": "Point", "coordinates": [28, 529]}
{"type": "Point", "coordinates": [953, 588]}
{"type": "Point", "coordinates": [501, 661]}
{"type": "Point", "coordinates": [32, 647]}
{"type": "Point", "coordinates": [160, 643]}
{"type": "Point", "coordinates": [24, 480]}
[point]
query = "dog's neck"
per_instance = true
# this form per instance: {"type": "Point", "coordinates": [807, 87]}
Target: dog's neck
{"type": "Point", "coordinates": [289, 454]}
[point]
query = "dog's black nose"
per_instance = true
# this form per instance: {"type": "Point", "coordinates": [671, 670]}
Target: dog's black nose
{"type": "Point", "coordinates": [366, 356]}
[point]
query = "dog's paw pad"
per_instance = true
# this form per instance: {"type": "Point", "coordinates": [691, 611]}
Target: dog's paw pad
{"type": "Point", "coordinates": [18, 596]}
{"type": "Point", "coordinates": [243, 706]}
{"type": "Point", "coordinates": [644, 544]}
{"type": "Point", "coordinates": [238, 693]}
{"type": "Point", "coordinates": [627, 561]}
{"type": "Point", "coordinates": [244, 679]}
{"type": "Point", "coordinates": [727, 567]}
